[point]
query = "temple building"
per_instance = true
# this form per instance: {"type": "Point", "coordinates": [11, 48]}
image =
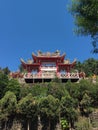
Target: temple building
{"type": "Point", "coordinates": [44, 67]}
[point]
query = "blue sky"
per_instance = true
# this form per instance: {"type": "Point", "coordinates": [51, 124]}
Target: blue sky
{"type": "Point", "coordinates": [27, 26]}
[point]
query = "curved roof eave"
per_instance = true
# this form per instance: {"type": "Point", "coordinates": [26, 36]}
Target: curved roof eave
{"type": "Point", "coordinates": [73, 63]}
{"type": "Point", "coordinates": [22, 61]}
{"type": "Point", "coordinates": [35, 57]}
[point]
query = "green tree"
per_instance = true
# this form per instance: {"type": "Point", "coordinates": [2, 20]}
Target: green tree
{"type": "Point", "coordinates": [39, 90]}
{"type": "Point", "coordinates": [68, 110]}
{"type": "Point", "coordinates": [73, 89]}
{"type": "Point", "coordinates": [25, 89]}
{"type": "Point", "coordinates": [3, 83]}
{"type": "Point", "coordinates": [6, 70]}
{"type": "Point", "coordinates": [90, 66]}
{"type": "Point", "coordinates": [28, 110]}
{"type": "Point", "coordinates": [79, 66]}
{"type": "Point", "coordinates": [83, 88]}
{"type": "Point", "coordinates": [8, 106]}
{"type": "Point", "coordinates": [85, 13]}
{"type": "Point", "coordinates": [85, 105]}
{"type": "Point", "coordinates": [94, 95]}
{"type": "Point", "coordinates": [57, 90]}
{"type": "Point", "coordinates": [49, 111]}
{"type": "Point", "coordinates": [14, 86]}
{"type": "Point", "coordinates": [83, 124]}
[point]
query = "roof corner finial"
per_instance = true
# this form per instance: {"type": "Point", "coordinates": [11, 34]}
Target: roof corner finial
{"type": "Point", "coordinates": [39, 52]}
{"type": "Point", "coordinates": [57, 52]}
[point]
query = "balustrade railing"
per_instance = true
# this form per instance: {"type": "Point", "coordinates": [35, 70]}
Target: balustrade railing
{"type": "Point", "coordinates": [51, 75]}
{"type": "Point", "coordinates": [69, 75]}
{"type": "Point", "coordinates": [48, 75]}
{"type": "Point", "coordinates": [43, 75]}
{"type": "Point", "coordinates": [48, 68]}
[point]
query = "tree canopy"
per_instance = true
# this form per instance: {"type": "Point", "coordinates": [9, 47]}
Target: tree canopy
{"type": "Point", "coordinates": [89, 66]}
{"type": "Point", "coordinates": [49, 105]}
{"type": "Point", "coordinates": [85, 13]}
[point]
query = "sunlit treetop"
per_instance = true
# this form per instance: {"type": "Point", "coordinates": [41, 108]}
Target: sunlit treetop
{"type": "Point", "coordinates": [85, 13]}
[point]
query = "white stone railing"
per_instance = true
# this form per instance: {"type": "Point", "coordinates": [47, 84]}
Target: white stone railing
{"type": "Point", "coordinates": [69, 75]}
{"type": "Point", "coordinates": [29, 75]}
{"type": "Point", "coordinates": [52, 75]}
{"type": "Point", "coordinates": [44, 75]}
{"type": "Point", "coordinates": [48, 68]}
{"type": "Point", "coordinates": [47, 75]}
{"type": "Point", "coordinates": [74, 75]}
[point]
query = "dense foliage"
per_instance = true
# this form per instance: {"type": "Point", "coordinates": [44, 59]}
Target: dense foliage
{"type": "Point", "coordinates": [48, 106]}
{"type": "Point", "coordinates": [85, 13]}
{"type": "Point", "coordinates": [89, 66]}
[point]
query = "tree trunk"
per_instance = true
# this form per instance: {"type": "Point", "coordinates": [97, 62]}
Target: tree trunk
{"type": "Point", "coordinates": [49, 124]}
{"type": "Point", "coordinates": [5, 125]}
{"type": "Point", "coordinates": [28, 125]}
{"type": "Point", "coordinates": [72, 124]}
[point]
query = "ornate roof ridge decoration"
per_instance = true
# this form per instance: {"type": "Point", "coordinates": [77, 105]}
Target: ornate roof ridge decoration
{"type": "Point", "coordinates": [47, 54]}
{"type": "Point", "coordinates": [22, 61]}
{"type": "Point", "coordinates": [29, 61]}
{"type": "Point", "coordinates": [75, 60]}
{"type": "Point", "coordinates": [67, 61]}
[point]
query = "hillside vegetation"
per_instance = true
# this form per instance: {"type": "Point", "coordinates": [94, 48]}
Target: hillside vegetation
{"type": "Point", "coordinates": [49, 106]}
